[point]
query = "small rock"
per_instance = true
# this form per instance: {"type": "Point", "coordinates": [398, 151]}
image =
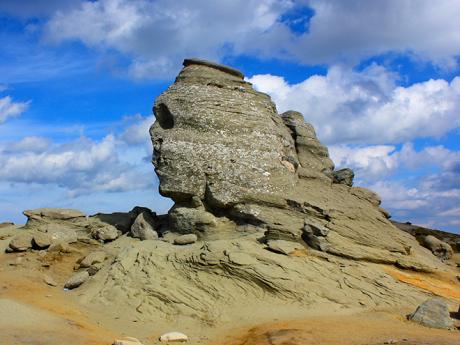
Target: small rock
{"type": "Point", "coordinates": [48, 280]}
{"type": "Point", "coordinates": [76, 280]}
{"type": "Point", "coordinates": [93, 269]}
{"type": "Point", "coordinates": [127, 341]}
{"type": "Point", "coordinates": [174, 337]}
{"type": "Point", "coordinates": [343, 176]}
{"type": "Point", "coordinates": [315, 229]}
{"type": "Point", "coordinates": [283, 247]}
{"type": "Point", "coordinates": [41, 240]}
{"type": "Point", "coordinates": [143, 227]}
{"type": "Point", "coordinates": [21, 242]}
{"type": "Point", "coordinates": [93, 258]}
{"type": "Point", "coordinates": [104, 232]}
{"type": "Point", "coordinates": [434, 312]}
{"type": "Point", "coordinates": [186, 239]}
{"type": "Point", "coordinates": [61, 247]}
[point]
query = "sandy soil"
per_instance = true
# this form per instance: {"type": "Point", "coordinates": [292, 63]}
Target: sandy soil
{"type": "Point", "coordinates": [32, 312]}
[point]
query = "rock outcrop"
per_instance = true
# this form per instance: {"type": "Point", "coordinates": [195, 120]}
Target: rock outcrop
{"type": "Point", "coordinates": [227, 158]}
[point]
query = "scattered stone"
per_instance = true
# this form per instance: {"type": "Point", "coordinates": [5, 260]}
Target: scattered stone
{"type": "Point", "coordinates": [343, 176]}
{"type": "Point", "coordinates": [48, 280]}
{"type": "Point", "coordinates": [186, 239]}
{"type": "Point", "coordinates": [127, 341]}
{"type": "Point", "coordinates": [103, 231]}
{"type": "Point", "coordinates": [21, 242]}
{"type": "Point", "coordinates": [41, 240]}
{"type": "Point", "coordinates": [174, 337]}
{"type": "Point", "coordinates": [93, 258]}
{"type": "Point", "coordinates": [283, 247]}
{"type": "Point", "coordinates": [315, 229]}
{"type": "Point", "coordinates": [93, 269]}
{"type": "Point", "coordinates": [434, 312]}
{"type": "Point", "coordinates": [439, 248]}
{"type": "Point", "coordinates": [61, 247]}
{"type": "Point", "coordinates": [144, 227]}
{"type": "Point", "coordinates": [188, 219]}
{"type": "Point", "coordinates": [76, 280]}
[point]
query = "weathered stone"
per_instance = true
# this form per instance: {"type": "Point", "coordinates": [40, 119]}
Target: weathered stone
{"type": "Point", "coordinates": [41, 240]}
{"type": "Point", "coordinates": [6, 224]}
{"type": "Point", "coordinates": [102, 231]}
{"type": "Point", "coordinates": [439, 248]}
{"type": "Point", "coordinates": [187, 219]}
{"type": "Point", "coordinates": [433, 313]}
{"type": "Point", "coordinates": [93, 258]}
{"type": "Point", "coordinates": [225, 157]}
{"type": "Point", "coordinates": [186, 239]}
{"type": "Point", "coordinates": [93, 269]}
{"type": "Point", "coordinates": [21, 242]}
{"type": "Point", "coordinates": [283, 247]}
{"type": "Point", "coordinates": [315, 229]}
{"type": "Point", "coordinates": [127, 341]}
{"type": "Point", "coordinates": [174, 337]}
{"type": "Point", "coordinates": [76, 280]}
{"type": "Point", "coordinates": [49, 280]}
{"type": "Point", "coordinates": [312, 155]}
{"type": "Point", "coordinates": [144, 227]}
{"type": "Point", "coordinates": [343, 176]}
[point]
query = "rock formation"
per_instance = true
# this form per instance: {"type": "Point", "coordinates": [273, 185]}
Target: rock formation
{"type": "Point", "coordinates": [263, 226]}
{"type": "Point", "coordinates": [228, 159]}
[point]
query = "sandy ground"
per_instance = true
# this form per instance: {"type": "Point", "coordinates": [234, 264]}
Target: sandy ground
{"type": "Point", "coordinates": [32, 312]}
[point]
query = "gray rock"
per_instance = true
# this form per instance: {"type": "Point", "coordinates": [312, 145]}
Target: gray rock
{"type": "Point", "coordinates": [343, 176]}
{"type": "Point", "coordinates": [21, 242]}
{"type": "Point", "coordinates": [93, 258]}
{"type": "Point", "coordinates": [310, 228]}
{"type": "Point", "coordinates": [228, 159]}
{"type": "Point", "coordinates": [434, 312]}
{"type": "Point", "coordinates": [312, 155]}
{"type": "Point", "coordinates": [103, 231]}
{"type": "Point", "coordinates": [187, 219]}
{"type": "Point", "coordinates": [41, 240]}
{"type": "Point", "coordinates": [76, 280]}
{"type": "Point", "coordinates": [186, 239]}
{"type": "Point", "coordinates": [439, 248]}
{"type": "Point", "coordinates": [144, 227]}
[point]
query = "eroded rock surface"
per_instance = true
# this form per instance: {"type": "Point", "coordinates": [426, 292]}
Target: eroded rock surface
{"type": "Point", "coordinates": [227, 158]}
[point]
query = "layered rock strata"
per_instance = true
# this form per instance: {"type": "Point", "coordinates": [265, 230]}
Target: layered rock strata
{"type": "Point", "coordinates": [228, 159]}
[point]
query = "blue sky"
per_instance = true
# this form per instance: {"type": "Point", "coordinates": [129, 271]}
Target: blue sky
{"type": "Point", "coordinates": [379, 80]}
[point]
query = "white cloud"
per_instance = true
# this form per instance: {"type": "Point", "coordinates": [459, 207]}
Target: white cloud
{"type": "Point", "coordinates": [27, 144]}
{"type": "Point", "coordinates": [137, 130]}
{"type": "Point", "coordinates": [368, 162]}
{"type": "Point", "coordinates": [368, 107]}
{"type": "Point", "coordinates": [9, 108]}
{"type": "Point", "coordinates": [81, 166]}
{"type": "Point", "coordinates": [352, 30]}
{"type": "Point", "coordinates": [158, 35]}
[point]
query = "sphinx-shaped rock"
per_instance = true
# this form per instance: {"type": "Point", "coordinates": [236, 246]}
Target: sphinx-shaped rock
{"type": "Point", "coordinates": [228, 159]}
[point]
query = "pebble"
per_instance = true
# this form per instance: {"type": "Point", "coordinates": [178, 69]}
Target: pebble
{"type": "Point", "coordinates": [186, 239]}
{"type": "Point", "coordinates": [127, 341]}
{"type": "Point", "coordinates": [174, 337]}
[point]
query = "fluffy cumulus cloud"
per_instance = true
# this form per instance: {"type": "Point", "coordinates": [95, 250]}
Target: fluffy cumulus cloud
{"type": "Point", "coordinates": [352, 30]}
{"type": "Point", "coordinates": [10, 108]}
{"type": "Point", "coordinates": [81, 166]}
{"type": "Point", "coordinates": [156, 35]}
{"type": "Point", "coordinates": [368, 106]}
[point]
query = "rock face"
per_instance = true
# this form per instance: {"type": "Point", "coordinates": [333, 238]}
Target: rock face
{"type": "Point", "coordinates": [228, 159]}
{"type": "Point", "coordinates": [439, 248]}
{"type": "Point", "coordinates": [433, 313]}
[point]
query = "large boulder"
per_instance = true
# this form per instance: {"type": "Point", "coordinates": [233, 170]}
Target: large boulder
{"type": "Point", "coordinates": [434, 312]}
{"type": "Point", "coordinates": [439, 248]}
{"type": "Point", "coordinates": [144, 227]}
{"type": "Point", "coordinates": [228, 159]}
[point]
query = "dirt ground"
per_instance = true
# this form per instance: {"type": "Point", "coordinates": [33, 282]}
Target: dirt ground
{"type": "Point", "coordinates": [32, 312]}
